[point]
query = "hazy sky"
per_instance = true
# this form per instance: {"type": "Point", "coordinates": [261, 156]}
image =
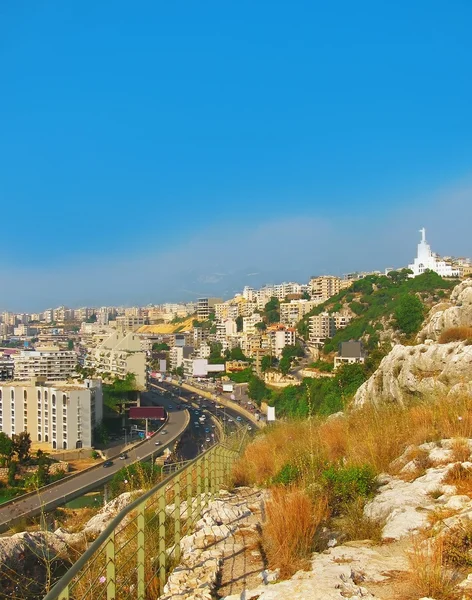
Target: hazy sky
{"type": "Point", "coordinates": [158, 151]}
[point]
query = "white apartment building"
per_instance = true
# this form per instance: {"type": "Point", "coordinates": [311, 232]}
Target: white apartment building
{"type": "Point", "coordinates": [119, 354]}
{"type": "Point", "coordinates": [249, 323]}
{"type": "Point", "coordinates": [48, 362]}
{"type": "Point", "coordinates": [281, 337]}
{"type": "Point", "coordinates": [293, 311]}
{"type": "Point", "coordinates": [177, 354]}
{"type": "Point", "coordinates": [62, 414]}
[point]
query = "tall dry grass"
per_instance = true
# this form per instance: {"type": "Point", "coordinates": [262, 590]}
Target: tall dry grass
{"type": "Point", "coordinates": [290, 528]}
{"type": "Point", "coordinates": [455, 334]}
{"type": "Point", "coordinates": [372, 436]}
{"type": "Point", "coordinates": [428, 575]}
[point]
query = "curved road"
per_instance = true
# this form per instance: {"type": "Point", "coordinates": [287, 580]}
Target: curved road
{"type": "Point", "coordinates": [52, 496]}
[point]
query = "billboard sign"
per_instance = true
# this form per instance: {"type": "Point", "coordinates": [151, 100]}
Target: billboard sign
{"type": "Point", "coordinates": [271, 413]}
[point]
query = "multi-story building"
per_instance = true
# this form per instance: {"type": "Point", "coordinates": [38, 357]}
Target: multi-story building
{"type": "Point", "coordinates": [177, 354]}
{"type": "Point", "coordinates": [199, 336]}
{"type": "Point", "coordinates": [249, 323]}
{"type": "Point", "coordinates": [119, 354]}
{"type": "Point", "coordinates": [293, 311]}
{"type": "Point", "coordinates": [7, 367]}
{"type": "Point", "coordinates": [62, 414]}
{"type": "Point", "coordinates": [205, 306]}
{"type": "Point", "coordinates": [325, 325]}
{"type": "Point", "coordinates": [279, 337]}
{"type": "Point", "coordinates": [324, 287]}
{"type": "Point", "coordinates": [321, 327]}
{"type": "Point", "coordinates": [130, 322]}
{"type": "Point", "coordinates": [47, 362]}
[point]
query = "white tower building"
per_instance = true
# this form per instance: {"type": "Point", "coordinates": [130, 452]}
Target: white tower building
{"type": "Point", "coordinates": [426, 259]}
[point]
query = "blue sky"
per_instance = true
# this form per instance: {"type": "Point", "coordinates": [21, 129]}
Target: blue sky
{"type": "Point", "coordinates": [157, 151]}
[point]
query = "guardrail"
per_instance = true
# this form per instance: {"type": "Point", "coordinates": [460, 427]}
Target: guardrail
{"type": "Point", "coordinates": [134, 554]}
{"type": "Point", "coordinates": [48, 505]}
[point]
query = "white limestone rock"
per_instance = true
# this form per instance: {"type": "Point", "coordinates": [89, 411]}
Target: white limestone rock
{"type": "Point", "coordinates": [418, 371]}
{"type": "Point", "coordinates": [456, 313]}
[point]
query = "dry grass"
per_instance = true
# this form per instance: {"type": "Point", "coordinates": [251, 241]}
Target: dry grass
{"type": "Point", "coordinates": [440, 514]}
{"type": "Point", "coordinates": [461, 477]}
{"type": "Point", "coordinates": [458, 545]}
{"type": "Point", "coordinates": [460, 450]}
{"type": "Point", "coordinates": [371, 435]}
{"type": "Point", "coordinates": [356, 526]}
{"type": "Point", "coordinates": [292, 522]}
{"type": "Point", "coordinates": [455, 334]}
{"type": "Point", "coordinates": [428, 575]}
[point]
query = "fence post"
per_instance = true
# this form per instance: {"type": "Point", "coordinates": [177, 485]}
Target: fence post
{"type": "Point", "coordinates": [189, 499]}
{"type": "Point", "coordinates": [198, 507]}
{"type": "Point", "coordinates": [140, 572]}
{"type": "Point", "coordinates": [206, 477]}
{"type": "Point", "coordinates": [177, 518]}
{"type": "Point", "coordinates": [162, 538]}
{"type": "Point", "coordinates": [110, 567]}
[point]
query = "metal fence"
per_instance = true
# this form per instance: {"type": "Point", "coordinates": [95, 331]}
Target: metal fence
{"type": "Point", "coordinates": [133, 555]}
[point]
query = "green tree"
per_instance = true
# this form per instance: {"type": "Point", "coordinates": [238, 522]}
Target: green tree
{"type": "Point", "coordinates": [92, 318]}
{"type": "Point", "coordinates": [409, 314]}
{"type": "Point", "coordinates": [272, 311]}
{"type": "Point", "coordinates": [70, 344]}
{"type": "Point", "coordinates": [162, 347]}
{"type": "Point", "coordinates": [261, 326]}
{"type": "Point", "coordinates": [239, 324]}
{"type": "Point", "coordinates": [6, 448]}
{"type": "Point", "coordinates": [22, 446]}
{"type": "Point", "coordinates": [237, 354]}
{"type": "Point", "coordinates": [284, 364]}
{"type": "Point", "coordinates": [12, 474]}
{"type": "Point", "coordinates": [267, 362]}
{"type": "Point", "coordinates": [257, 390]}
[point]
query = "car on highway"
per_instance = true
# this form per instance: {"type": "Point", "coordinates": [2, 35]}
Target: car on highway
{"type": "Point", "coordinates": [158, 443]}
{"type": "Point", "coordinates": [208, 439]}
{"type": "Point", "coordinates": [249, 428]}
{"type": "Point", "coordinates": [123, 456]}
{"type": "Point", "coordinates": [207, 430]}
{"type": "Point", "coordinates": [239, 419]}
{"type": "Point", "coordinates": [164, 432]}
{"type": "Point", "coordinates": [108, 463]}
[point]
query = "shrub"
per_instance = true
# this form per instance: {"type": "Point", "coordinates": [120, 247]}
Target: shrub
{"type": "Point", "coordinates": [292, 522]}
{"type": "Point", "coordinates": [357, 526]}
{"type": "Point", "coordinates": [455, 334]}
{"type": "Point", "coordinates": [288, 474]}
{"type": "Point", "coordinates": [458, 545]}
{"type": "Point", "coordinates": [345, 485]}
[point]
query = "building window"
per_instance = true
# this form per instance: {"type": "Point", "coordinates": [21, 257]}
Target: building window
{"type": "Point", "coordinates": [25, 395]}
{"type": "Point", "coordinates": [13, 394]}
{"type": "Point", "coordinates": [54, 399]}
{"type": "Point", "coordinates": [64, 401]}
{"type": "Point", "coordinates": [39, 394]}
{"type": "Point", "coordinates": [45, 395]}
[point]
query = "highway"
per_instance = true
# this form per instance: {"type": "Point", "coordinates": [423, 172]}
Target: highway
{"type": "Point", "coordinates": [62, 492]}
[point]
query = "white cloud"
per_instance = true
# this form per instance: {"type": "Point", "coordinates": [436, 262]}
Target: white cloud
{"type": "Point", "coordinates": [221, 259]}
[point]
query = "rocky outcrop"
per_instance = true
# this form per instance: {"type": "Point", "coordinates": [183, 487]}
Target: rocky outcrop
{"type": "Point", "coordinates": [419, 371]}
{"type": "Point", "coordinates": [456, 313]}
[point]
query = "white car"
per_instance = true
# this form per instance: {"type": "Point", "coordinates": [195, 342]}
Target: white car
{"type": "Point", "coordinates": [158, 443]}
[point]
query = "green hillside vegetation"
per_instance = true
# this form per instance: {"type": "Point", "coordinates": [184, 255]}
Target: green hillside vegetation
{"type": "Point", "coordinates": [377, 299]}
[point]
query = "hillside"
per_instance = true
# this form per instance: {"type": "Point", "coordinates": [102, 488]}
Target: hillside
{"type": "Point", "coordinates": [386, 310]}
{"type": "Point", "coordinates": [167, 328]}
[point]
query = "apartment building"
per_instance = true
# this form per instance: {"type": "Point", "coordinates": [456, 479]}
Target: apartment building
{"type": "Point", "coordinates": [51, 363]}
{"type": "Point", "coordinates": [324, 287]}
{"type": "Point", "coordinates": [249, 323]}
{"type": "Point", "coordinates": [119, 354]}
{"type": "Point", "coordinates": [177, 354]}
{"type": "Point", "coordinates": [279, 337]}
{"type": "Point", "coordinates": [325, 325]}
{"type": "Point", "coordinates": [293, 311]}
{"type": "Point", "coordinates": [130, 322]}
{"type": "Point", "coordinates": [7, 367]}
{"type": "Point", "coordinates": [62, 414]}
{"type": "Point", "coordinates": [321, 327]}
{"type": "Point", "coordinates": [205, 306]}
